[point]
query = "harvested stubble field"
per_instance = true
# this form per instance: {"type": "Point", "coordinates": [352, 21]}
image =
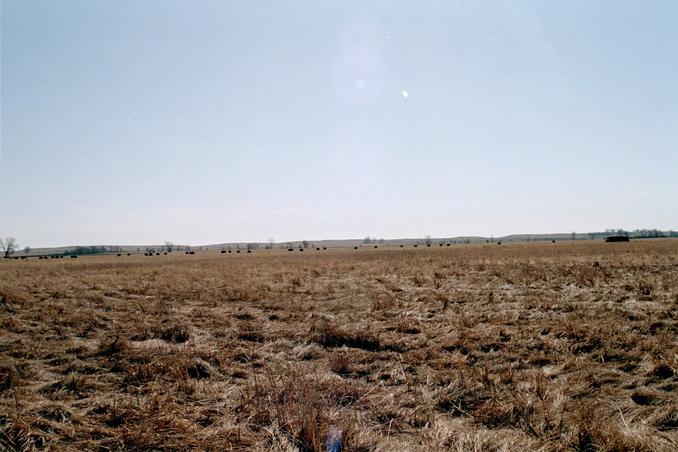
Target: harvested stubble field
{"type": "Point", "coordinates": [568, 346]}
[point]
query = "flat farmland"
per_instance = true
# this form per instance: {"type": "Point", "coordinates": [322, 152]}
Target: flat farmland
{"type": "Point", "coordinates": [565, 346]}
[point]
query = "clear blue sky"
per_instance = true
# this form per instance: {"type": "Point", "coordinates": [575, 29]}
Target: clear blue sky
{"type": "Point", "coordinates": [135, 122]}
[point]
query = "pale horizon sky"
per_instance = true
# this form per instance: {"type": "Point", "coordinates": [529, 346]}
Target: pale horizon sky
{"type": "Point", "coordinates": [198, 122]}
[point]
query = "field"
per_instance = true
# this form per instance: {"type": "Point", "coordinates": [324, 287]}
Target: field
{"type": "Point", "coordinates": [565, 346]}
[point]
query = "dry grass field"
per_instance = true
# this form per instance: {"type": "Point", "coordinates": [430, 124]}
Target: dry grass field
{"type": "Point", "coordinates": [565, 346]}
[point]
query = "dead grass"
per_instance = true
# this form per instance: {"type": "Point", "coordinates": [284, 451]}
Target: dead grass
{"type": "Point", "coordinates": [520, 347]}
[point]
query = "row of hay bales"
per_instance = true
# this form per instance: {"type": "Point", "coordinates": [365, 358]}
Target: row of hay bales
{"type": "Point", "coordinates": [620, 238]}
{"type": "Point", "coordinates": [302, 249]}
{"type": "Point", "coordinates": [59, 256]}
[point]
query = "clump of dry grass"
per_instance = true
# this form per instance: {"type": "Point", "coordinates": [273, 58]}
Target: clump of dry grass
{"type": "Point", "coordinates": [15, 436]}
{"type": "Point", "coordinates": [9, 377]}
{"type": "Point", "coordinates": [177, 334]}
{"type": "Point", "coordinates": [328, 334]}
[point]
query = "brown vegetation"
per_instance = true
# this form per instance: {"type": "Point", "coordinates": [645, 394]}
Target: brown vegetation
{"type": "Point", "coordinates": [567, 346]}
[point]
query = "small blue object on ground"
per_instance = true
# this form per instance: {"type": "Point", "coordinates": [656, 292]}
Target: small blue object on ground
{"type": "Point", "coordinates": [333, 441]}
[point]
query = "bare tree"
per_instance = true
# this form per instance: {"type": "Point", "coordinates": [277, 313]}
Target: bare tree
{"type": "Point", "coordinates": [8, 245]}
{"type": "Point", "coordinates": [169, 246]}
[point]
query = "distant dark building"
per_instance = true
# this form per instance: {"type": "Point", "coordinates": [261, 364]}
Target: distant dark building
{"type": "Point", "coordinates": [616, 238]}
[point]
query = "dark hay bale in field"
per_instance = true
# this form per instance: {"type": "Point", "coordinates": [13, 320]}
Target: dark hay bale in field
{"type": "Point", "coordinates": [553, 241]}
{"type": "Point", "coordinates": [223, 252]}
{"type": "Point", "coordinates": [237, 251]}
{"type": "Point", "coordinates": [290, 249]}
{"type": "Point", "coordinates": [191, 252]}
{"type": "Point", "coordinates": [402, 246]}
{"type": "Point", "coordinates": [229, 251]}
{"type": "Point", "coordinates": [416, 246]}
{"type": "Point", "coordinates": [498, 243]}
{"type": "Point", "coordinates": [119, 254]}
{"type": "Point", "coordinates": [74, 257]}
{"type": "Point", "coordinates": [324, 247]}
{"type": "Point", "coordinates": [317, 249]}
{"type": "Point", "coordinates": [165, 253]}
{"type": "Point", "coordinates": [129, 254]}
{"type": "Point", "coordinates": [355, 247]}
{"type": "Point", "coordinates": [428, 245]}
{"type": "Point", "coordinates": [447, 244]}
{"type": "Point", "coordinates": [186, 252]}
{"type": "Point", "coordinates": [375, 247]}
{"type": "Point", "coordinates": [249, 251]}
{"type": "Point", "coordinates": [301, 249]}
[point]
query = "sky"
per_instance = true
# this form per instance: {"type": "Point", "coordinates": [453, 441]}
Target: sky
{"type": "Point", "coordinates": [197, 122]}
